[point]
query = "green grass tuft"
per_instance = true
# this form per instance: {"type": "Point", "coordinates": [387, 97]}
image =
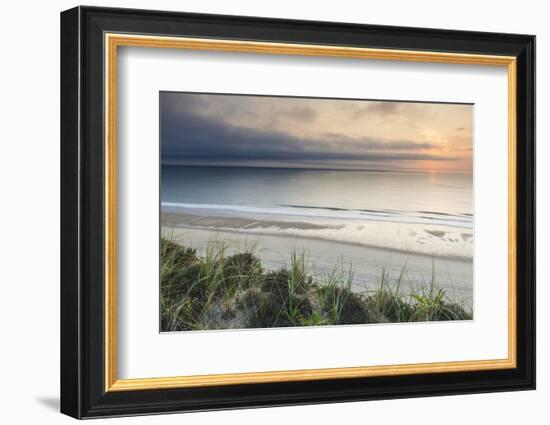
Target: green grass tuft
{"type": "Point", "coordinates": [228, 292]}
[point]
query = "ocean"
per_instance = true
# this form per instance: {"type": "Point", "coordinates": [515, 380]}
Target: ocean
{"type": "Point", "coordinates": [426, 213]}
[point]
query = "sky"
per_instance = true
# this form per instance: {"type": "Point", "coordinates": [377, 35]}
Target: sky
{"type": "Point", "coordinates": [269, 131]}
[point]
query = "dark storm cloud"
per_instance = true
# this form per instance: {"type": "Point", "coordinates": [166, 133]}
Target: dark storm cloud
{"type": "Point", "coordinates": [376, 144]}
{"type": "Point", "coordinates": [187, 135]}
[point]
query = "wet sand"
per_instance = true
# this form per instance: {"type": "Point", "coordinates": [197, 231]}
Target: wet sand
{"type": "Point", "coordinates": [182, 219]}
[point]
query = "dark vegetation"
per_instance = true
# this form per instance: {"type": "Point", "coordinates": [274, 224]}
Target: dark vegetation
{"type": "Point", "coordinates": [234, 292]}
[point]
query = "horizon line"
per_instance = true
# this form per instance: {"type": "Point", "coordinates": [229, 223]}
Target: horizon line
{"type": "Point", "coordinates": [313, 168]}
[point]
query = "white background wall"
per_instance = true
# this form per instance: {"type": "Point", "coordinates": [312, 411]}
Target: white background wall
{"type": "Point", "coordinates": [29, 212]}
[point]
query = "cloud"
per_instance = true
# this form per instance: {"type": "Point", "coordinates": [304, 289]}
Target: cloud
{"type": "Point", "coordinates": [376, 110]}
{"type": "Point", "coordinates": [384, 108]}
{"type": "Point", "coordinates": [302, 113]}
{"type": "Point", "coordinates": [189, 135]}
{"type": "Point", "coordinates": [372, 143]}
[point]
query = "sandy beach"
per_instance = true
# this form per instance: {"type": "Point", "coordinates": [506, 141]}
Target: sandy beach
{"type": "Point", "coordinates": [453, 274]}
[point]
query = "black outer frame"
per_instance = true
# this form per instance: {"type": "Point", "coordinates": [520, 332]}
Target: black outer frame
{"type": "Point", "coordinates": [82, 214]}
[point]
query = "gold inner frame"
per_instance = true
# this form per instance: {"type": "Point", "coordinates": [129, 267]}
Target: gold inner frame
{"type": "Point", "coordinates": [113, 41]}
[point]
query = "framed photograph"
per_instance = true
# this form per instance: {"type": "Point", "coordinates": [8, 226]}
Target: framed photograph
{"type": "Point", "coordinates": [261, 212]}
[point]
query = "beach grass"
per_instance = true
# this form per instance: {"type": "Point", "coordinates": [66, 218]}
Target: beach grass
{"type": "Point", "coordinates": [221, 291]}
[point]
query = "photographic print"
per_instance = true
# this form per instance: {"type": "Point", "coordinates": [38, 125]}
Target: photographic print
{"type": "Point", "coordinates": [320, 197]}
{"type": "Point", "coordinates": [290, 211]}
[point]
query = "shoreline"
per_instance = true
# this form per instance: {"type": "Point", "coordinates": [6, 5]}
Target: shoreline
{"type": "Point", "coordinates": [280, 227]}
{"type": "Point", "coordinates": [253, 233]}
{"type": "Point", "coordinates": [455, 275]}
